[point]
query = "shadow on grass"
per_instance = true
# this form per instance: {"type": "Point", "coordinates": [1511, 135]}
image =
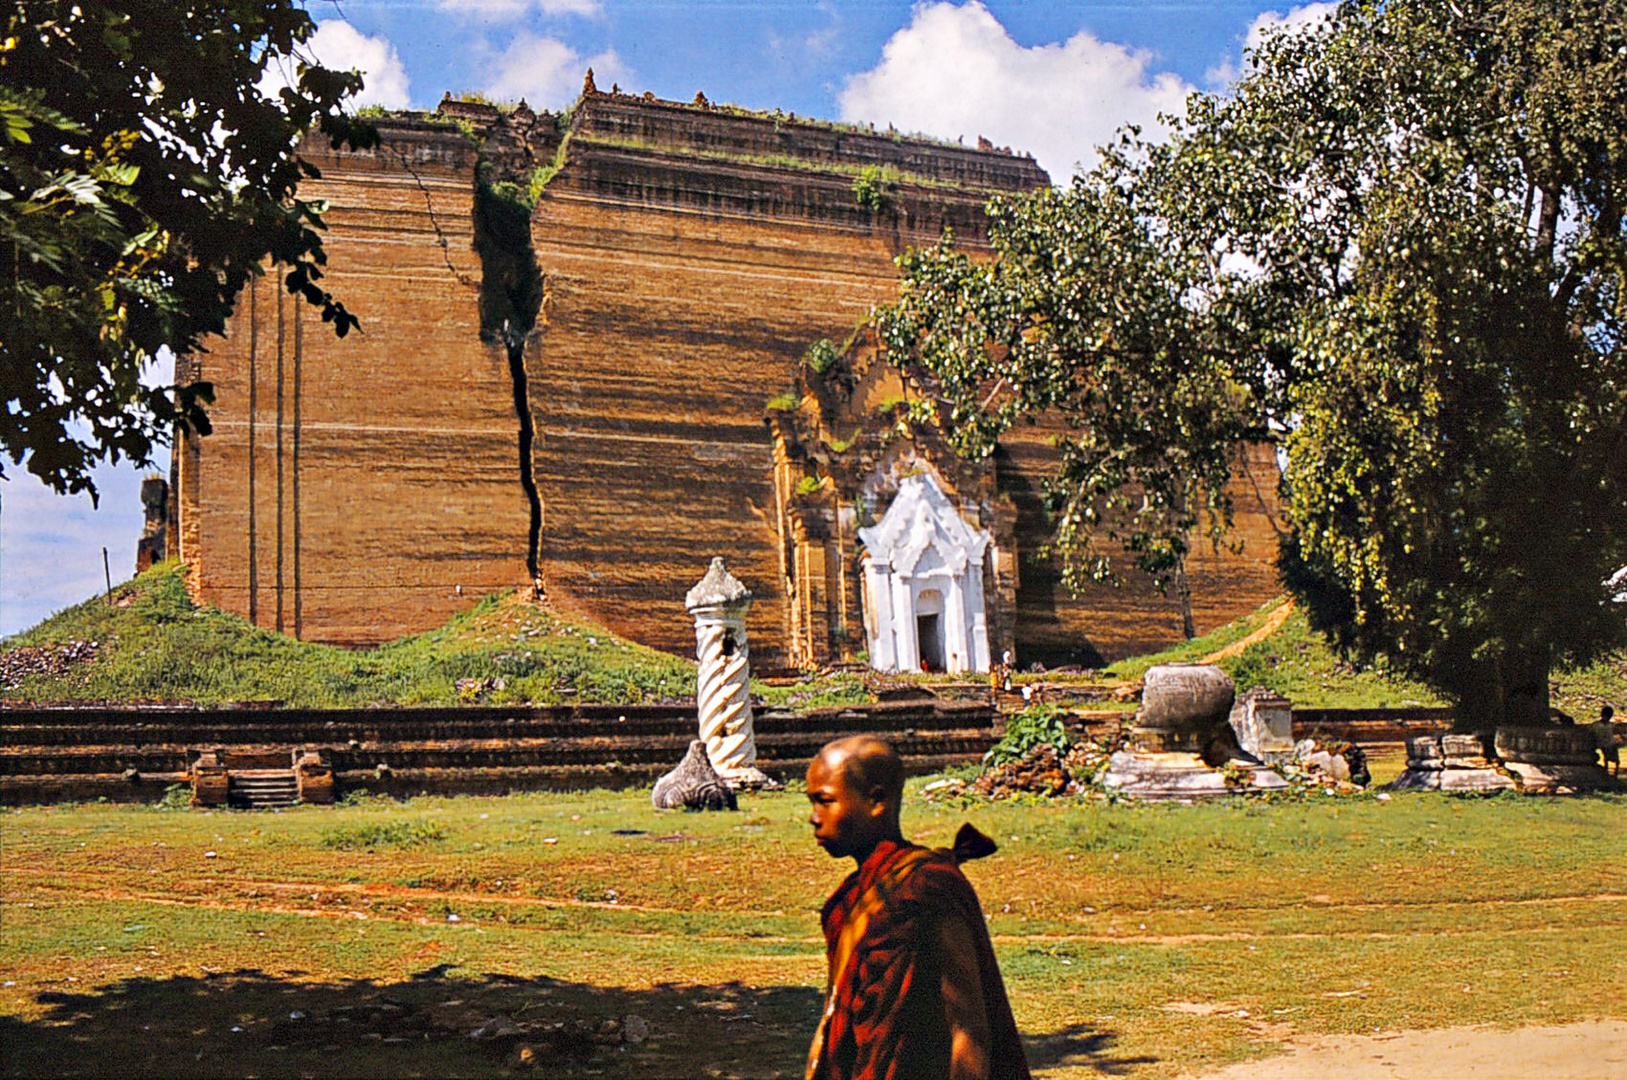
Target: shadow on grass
{"type": "Point", "coordinates": [439, 1023]}
{"type": "Point", "coordinates": [1080, 1046]}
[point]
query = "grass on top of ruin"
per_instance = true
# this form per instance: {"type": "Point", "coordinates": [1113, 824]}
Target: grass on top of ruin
{"type": "Point", "coordinates": [372, 939]}
{"type": "Point", "coordinates": [152, 643]}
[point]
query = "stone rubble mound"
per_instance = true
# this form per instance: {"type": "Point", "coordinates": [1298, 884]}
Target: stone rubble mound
{"type": "Point", "coordinates": [1045, 772]}
{"type": "Point", "coordinates": [1336, 767]}
{"type": "Point", "coordinates": [49, 661]}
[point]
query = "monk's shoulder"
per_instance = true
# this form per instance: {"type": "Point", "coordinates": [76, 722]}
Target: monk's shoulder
{"type": "Point", "coordinates": [936, 880]}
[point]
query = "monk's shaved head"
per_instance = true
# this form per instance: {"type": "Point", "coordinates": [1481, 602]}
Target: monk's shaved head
{"type": "Point", "coordinates": [868, 764]}
{"type": "Point", "coordinates": [855, 791]}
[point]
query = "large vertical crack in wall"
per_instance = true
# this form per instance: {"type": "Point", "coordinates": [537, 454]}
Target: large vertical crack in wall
{"type": "Point", "coordinates": [511, 295]}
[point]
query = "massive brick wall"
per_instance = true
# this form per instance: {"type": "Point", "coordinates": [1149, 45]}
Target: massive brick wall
{"type": "Point", "coordinates": [683, 286]}
{"type": "Point", "coordinates": [1107, 623]}
{"type": "Point", "coordinates": [357, 490]}
{"type": "Point", "coordinates": [352, 489]}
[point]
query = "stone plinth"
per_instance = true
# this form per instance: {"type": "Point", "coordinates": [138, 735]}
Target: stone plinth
{"type": "Point", "coordinates": [1176, 776]}
{"type": "Point", "coordinates": [315, 776]}
{"type": "Point", "coordinates": [1183, 708]}
{"type": "Point", "coordinates": [209, 780]}
{"type": "Point", "coordinates": [723, 693]}
{"type": "Point", "coordinates": [1450, 763]}
{"type": "Point", "coordinates": [1557, 760]}
{"type": "Point", "coordinates": [1552, 760]}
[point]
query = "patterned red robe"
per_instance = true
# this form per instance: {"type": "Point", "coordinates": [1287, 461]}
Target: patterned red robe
{"type": "Point", "coordinates": [885, 1013]}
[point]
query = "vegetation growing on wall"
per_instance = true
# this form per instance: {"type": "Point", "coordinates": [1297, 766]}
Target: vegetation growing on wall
{"type": "Point", "coordinates": [874, 186]}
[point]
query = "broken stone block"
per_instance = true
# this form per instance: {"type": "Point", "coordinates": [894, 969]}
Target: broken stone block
{"type": "Point", "coordinates": [1424, 753]}
{"type": "Point", "coordinates": [693, 785]}
{"type": "Point", "coordinates": [1159, 777]}
{"type": "Point", "coordinates": [1463, 752]}
{"type": "Point", "coordinates": [1479, 781]}
{"type": "Point", "coordinates": [1263, 721]}
{"type": "Point", "coordinates": [1546, 745]}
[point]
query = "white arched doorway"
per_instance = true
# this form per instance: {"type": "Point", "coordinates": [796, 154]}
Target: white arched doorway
{"type": "Point", "coordinates": [923, 584]}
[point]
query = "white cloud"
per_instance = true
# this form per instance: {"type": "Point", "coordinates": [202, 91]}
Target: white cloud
{"type": "Point", "coordinates": [954, 71]}
{"type": "Point", "coordinates": [546, 72]}
{"type": "Point", "coordinates": [510, 10]}
{"type": "Point", "coordinates": [1304, 17]}
{"type": "Point", "coordinates": [1299, 19]}
{"type": "Point", "coordinates": [342, 47]}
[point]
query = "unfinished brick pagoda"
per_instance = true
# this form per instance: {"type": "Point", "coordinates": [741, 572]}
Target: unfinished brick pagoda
{"type": "Point", "coordinates": [608, 389]}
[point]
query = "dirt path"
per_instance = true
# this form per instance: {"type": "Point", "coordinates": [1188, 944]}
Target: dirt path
{"type": "Point", "coordinates": [1593, 1050]}
{"type": "Point", "coordinates": [1273, 623]}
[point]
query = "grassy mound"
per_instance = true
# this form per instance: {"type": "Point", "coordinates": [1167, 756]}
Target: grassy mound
{"type": "Point", "coordinates": [1294, 661]}
{"type": "Point", "coordinates": [153, 644]}
{"type": "Point", "coordinates": [1298, 662]}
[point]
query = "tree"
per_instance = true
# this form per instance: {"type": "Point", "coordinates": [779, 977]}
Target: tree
{"type": "Point", "coordinates": [1397, 250]}
{"type": "Point", "coordinates": [144, 177]}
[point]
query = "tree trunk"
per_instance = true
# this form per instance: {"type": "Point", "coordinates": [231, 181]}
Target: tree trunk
{"type": "Point", "coordinates": [1183, 593]}
{"type": "Point", "coordinates": [1524, 678]}
{"type": "Point", "coordinates": [1511, 692]}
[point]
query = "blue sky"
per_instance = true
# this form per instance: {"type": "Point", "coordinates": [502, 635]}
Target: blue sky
{"type": "Point", "coordinates": [1052, 78]}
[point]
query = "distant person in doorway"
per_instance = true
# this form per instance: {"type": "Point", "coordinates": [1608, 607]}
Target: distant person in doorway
{"type": "Point", "coordinates": [914, 992]}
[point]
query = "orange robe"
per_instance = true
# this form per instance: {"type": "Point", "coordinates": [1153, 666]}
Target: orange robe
{"type": "Point", "coordinates": [885, 1016]}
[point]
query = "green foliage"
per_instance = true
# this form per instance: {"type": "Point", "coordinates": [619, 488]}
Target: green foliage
{"type": "Point", "coordinates": [782, 402]}
{"type": "Point", "coordinates": [143, 181]}
{"type": "Point", "coordinates": [820, 356]}
{"type": "Point", "coordinates": [1397, 250]}
{"type": "Point", "coordinates": [176, 797]}
{"type": "Point", "coordinates": [874, 185]}
{"type": "Point", "coordinates": [840, 445]}
{"type": "Point", "coordinates": [1037, 725]}
{"type": "Point", "coordinates": [809, 485]}
{"type": "Point", "coordinates": [158, 646]}
{"type": "Point", "coordinates": [545, 173]}
{"type": "Point", "coordinates": [373, 835]}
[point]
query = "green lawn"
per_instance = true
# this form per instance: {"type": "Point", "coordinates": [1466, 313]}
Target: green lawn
{"type": "Point", "coordinates": [1136, 940]}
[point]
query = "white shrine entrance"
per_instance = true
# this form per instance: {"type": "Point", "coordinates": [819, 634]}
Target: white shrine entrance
{"type": "Point", "coordinates": [923, 584]}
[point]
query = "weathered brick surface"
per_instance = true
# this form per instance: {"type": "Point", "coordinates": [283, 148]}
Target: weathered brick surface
{"type": "Point", "coordinates": [357, 490]}
{"type": "Point", "coordinates": [352, 487]}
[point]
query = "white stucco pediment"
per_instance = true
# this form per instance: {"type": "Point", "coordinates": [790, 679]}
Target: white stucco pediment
{"type": "Point", "coordinates": [922, 519]}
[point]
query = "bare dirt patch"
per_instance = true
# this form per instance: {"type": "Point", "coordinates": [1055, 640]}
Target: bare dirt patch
{"type": "Point", "coordinates": [1592, 1050]}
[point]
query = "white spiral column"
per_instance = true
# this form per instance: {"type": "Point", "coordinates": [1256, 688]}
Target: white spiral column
{"type": "Point", "coordinates": [723, 692]}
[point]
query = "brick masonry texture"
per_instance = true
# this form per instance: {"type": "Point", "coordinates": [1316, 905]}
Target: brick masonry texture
{"type": "Point", "coordinates": [356, 490]}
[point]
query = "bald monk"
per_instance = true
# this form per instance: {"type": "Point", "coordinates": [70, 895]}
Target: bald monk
{"type": "Point", "coordinates": [914, 992]}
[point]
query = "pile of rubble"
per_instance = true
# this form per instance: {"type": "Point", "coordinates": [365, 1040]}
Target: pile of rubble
{"type": "Point", "coordinates": [47, 661]}
{"type": "Point", "coordinates": [1335, 767]}
{"type": "Point", "coordinates": [1046, 772]}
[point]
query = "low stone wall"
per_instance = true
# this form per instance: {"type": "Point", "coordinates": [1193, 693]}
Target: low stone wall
{"type": "Point", "coordinates": [135, 754]}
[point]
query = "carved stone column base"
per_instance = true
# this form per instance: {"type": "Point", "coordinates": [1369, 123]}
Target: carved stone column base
{"type": "Point", "coordinates": [749, 778]}
{"type": "Point", "coordinates": [1173, 776]}
{"type": "Point", "coordinates": [1450, 763]}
